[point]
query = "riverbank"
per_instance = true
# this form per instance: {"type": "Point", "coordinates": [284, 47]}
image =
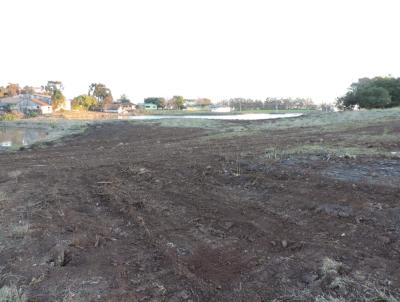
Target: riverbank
{"type": "Point", "coordinates": [302, 209]}
{"type": "Point", "coordinates": [25, 132]}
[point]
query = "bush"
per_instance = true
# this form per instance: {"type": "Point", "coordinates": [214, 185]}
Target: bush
{"type": "Point", "coordinates": [8, 117]}
{"type": "Point", "coordinates": [378, 92]}
{"type": "Point", "coordinates": [32, 114]}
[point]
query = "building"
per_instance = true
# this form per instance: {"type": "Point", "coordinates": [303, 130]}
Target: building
{"type": "Point", "coordinates": [150, 106]}
{"type": "Point", "coordinates": [118, 108]}
{"type": "Point", "coordinates": [42, 106]}
{"type": "Point", "coordinates": [220, 109]}
{"type": "Point", "coordinates": [25, 104]}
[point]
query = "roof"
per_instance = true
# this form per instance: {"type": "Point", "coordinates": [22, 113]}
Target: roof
{"type": "Point", "coordinates": [10, 100]}
{"type": "Point", "coordinates": [40, 102]}
{"type": "Point", "coordinates": [112, 106]}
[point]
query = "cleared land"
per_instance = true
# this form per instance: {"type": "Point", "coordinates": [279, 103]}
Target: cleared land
{"type": "Point", "coordinates": [303, 209]}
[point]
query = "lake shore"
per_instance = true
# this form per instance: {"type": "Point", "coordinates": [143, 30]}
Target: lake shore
{"type": "Point", "coordinates": [202, 208]}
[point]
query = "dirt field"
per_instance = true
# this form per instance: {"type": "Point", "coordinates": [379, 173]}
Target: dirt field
{"type": "Point", "coordinates": [296, 210]}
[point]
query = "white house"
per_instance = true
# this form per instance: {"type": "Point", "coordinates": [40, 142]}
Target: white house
{"type": "Point", "coordinates": [221, 109]}
{"type": "Point", "coordinates": [24, 104]}
{"type": "Point", "coordinates": [42, 106]}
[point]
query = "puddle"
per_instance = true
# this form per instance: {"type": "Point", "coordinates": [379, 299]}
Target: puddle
{"type": "Point", "coordinates": [16, 137]}
{"type": "Point", "coordinates": [232, 117]}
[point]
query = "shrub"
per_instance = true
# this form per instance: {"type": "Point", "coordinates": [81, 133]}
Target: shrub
{"type": "Point", "coordinates": [8, 117]}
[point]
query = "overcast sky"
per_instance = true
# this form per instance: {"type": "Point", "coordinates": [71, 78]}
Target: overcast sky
{"type": "Point", "coordinates": [203, 48]}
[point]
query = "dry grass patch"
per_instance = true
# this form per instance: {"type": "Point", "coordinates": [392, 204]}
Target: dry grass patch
{"type": "Point", "coordinates": [11, 294]}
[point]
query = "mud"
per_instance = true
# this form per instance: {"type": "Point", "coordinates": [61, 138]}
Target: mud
{"type": "Point", "coordinates": [133, 212]}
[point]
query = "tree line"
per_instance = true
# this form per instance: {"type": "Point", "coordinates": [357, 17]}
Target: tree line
{"type": "Point", "coordinates": [269, 104]}
{"type": "Point", "coordinates": [377, 92]}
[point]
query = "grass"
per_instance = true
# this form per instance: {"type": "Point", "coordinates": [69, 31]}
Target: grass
{"type": "Point", "coordinates": [311, 119]}
{"type": "Point", "coordinates": [333, 120]}
{"type": "Point", "coordinates": [8, 117]}
{"type": "Point", "coordinates": [336, 284]}
{"type": "Point", "coordinates": [3, 196]}
{"type": "Point", "coordinates": [208, 112]}
{"type": "Point", "coordinates": [182, 123]}
{"type": "Point", "coordinates": [11, 294]}
{"type": "Point", "coordinates": [322, 150]}
{"type": "Point", "coordinates": [19, 230]}
{"type": "Point", "coordinates": [55, 128]}
{"type": "Point", "coordinates": [314, 123]}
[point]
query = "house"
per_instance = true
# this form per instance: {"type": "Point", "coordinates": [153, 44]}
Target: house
{"type": "Point", "coordinates": [42, 106]}
{"type": "Point", "coordinates": [115, 108]}
{"type": "Point", "coordinates": [220, 109]}
{"type": "Point", "coordinates": [38, 90]}
{"type": "Point", "coordinates": [24, 104]}
{"type": "Point", "coordinates": [44, 98]}
{"type": "Point", "coordinates": [150, 106]}
{"type": "Point", "coordinates": [196, 105]}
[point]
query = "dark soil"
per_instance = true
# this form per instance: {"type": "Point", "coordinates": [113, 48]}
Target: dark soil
{"type": "Point", "coordinates": [130, 212]}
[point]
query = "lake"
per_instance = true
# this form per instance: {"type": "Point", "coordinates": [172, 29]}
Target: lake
{"type": "Point", "coordinates": [17, 137]}
{"type": "Point", "coordinates": [232, 117]}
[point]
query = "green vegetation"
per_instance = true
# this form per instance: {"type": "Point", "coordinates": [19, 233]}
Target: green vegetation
{"type": "Point", "coordinates": [8, 117]}
{"type": "Point", "coordinates": [158, 101]}
{"type": "Point", "coordinates": [177, 102]}
{"type": "Point", "coordinates": [243, 104]}
{"type": "Point", "coordinates": [84, 102]}
{"type": "Point", "coordinates": [10, 90]}
{"type": "Point", "coordinates": [378, 92]}
{"type": "Point", "coordinates": [101, 93]}
{"type": "Point", "coordinates": [331, 274]}
{"type": "Point", "coordinates": [314, 123]}
{"type": "Point", "coordinates": [124, 99]}
{"type": "Point", "coordinates": [57, 99]}
{"type": "Point", "coordinates": [11, 294]}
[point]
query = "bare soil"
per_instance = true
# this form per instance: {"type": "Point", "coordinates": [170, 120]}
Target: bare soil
{"type": "Point", "coordinates": [135, 212]}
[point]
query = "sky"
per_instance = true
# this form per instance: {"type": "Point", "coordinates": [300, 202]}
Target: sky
{"type": "Point", "coordinates": [200, 48]}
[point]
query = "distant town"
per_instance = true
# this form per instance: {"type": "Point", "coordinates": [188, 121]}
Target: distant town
{"type": "Point", "coordinates": [30, 101]}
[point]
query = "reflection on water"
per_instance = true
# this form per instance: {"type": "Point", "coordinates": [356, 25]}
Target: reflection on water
{"type": "Point", "coordinates": [10, 136]}
{"type": "Point", "coordinates": [242, 117]}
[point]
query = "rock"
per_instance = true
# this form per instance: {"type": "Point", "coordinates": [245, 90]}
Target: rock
{"type": "Point", "coordinates": [273, 243]}
{"type": "Point", "coordinates": [284, 243]}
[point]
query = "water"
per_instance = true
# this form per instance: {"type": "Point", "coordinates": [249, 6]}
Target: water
{"type": "Point", "coordinates": [232, 117]}
{"type": "Point", "coordinates": [16, 137]}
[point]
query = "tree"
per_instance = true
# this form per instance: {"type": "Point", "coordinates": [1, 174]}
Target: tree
{"type": "Point", "coordinates": [53, 86]}
{"type": "Point", "coordinates": [203, 102]}
{"type": "Point", "coordinates": [124, 99]}
{"type": "Point", "coordinates": [374, 97]}
{"type": "Point", "coordinates": [3, 92]}
{"type": "Point", "coordinates": [107, 101]}
{"type": "Point", "coordinates": [84, 102]}
{"type": "Point", "coordinates": [178, 101]}
{"type": "Point", "coordinates": [12, 89]}
{"type": "Point", "coordinates": [27, 90]}
{"type": "Point", "coordinates": [57, 99]}
{"type": "Point", "coordinates": [100, 92]}
{"type": "Point", "coordinates": [378, 92]}
{"type": "Point", "coordinates": [158, 101]}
